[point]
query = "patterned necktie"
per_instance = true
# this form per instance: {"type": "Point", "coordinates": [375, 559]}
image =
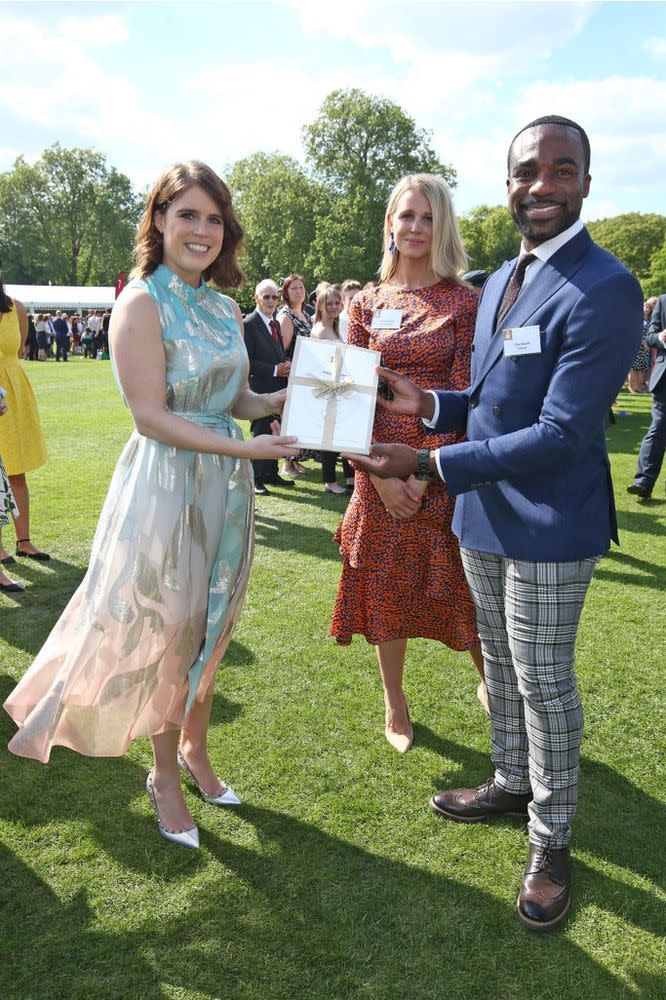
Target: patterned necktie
{"type": "Point", "coordinates": [514, 286]}
{"type": "Point", "coordinates": [275, 331]}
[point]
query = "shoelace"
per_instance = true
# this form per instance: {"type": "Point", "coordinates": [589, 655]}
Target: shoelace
{"type": "Point", "coordinates": [484, 790]}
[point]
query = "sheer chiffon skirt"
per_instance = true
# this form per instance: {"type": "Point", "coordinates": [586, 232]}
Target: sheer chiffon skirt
{"type": "Point", "coordinates": [142, 636]}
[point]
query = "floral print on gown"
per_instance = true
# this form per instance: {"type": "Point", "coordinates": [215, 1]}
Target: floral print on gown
{"type": "Point", "coordinates": [142, 636]}
{"type": "Point", "coordinates": [7, 502]}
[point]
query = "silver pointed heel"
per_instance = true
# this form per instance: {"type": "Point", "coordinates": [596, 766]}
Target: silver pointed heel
{"type": "Point", "coordinates": [226, 798]}
{"type": "Point", "coordinates": [184, 838]}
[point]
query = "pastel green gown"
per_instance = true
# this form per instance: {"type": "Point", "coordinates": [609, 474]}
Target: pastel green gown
{"type": "Point", "coordinates": [142, 636]}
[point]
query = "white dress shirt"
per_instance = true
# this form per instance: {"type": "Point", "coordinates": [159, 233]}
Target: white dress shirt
{"type": "Point", "coordinates": [268, 320]}
{"type": "Point", "coordinates": [543, 252]}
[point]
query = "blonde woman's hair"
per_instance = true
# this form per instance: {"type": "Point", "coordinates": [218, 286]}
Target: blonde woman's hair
{"type": "Point", "coordinates": [324, 289]}
{"type": "Point", "coordinates": [447, 253]}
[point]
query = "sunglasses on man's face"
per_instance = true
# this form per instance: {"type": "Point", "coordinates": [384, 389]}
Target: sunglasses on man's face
{"type": "Point", "coordinates": [269, 296]}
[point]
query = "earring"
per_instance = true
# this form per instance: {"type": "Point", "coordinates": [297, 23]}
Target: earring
{"type": "Point", "coordinates": [392, 247]}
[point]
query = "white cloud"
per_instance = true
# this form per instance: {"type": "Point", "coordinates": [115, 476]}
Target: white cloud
{"type": "Point", "coordinates": [593, 210]}
{"type": "Point", "coordinates": [108, 29]}
{"type": "Point", "coordinates": [621, 117]}
{"type": "Point", "coordinates": [408, 30]}
{"type": "Point", "coordinates": [656, 47]}
{"type": "Point", "coordinates": [22, 38]}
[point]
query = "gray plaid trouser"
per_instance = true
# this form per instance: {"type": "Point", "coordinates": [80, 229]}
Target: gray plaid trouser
{"type": "Point", "coordinates": [527, 617]}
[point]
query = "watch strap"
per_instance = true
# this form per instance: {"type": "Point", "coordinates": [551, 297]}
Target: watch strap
{"type": "Point", "coordinates": [423, 464]}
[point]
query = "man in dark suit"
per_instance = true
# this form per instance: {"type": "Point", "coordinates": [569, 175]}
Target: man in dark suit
{"type": "Point", "coordinates": [61, 336]}
{"type": "Point", "coordinates": [651, 455]}
{"type": "Point", "coordinates": [268, 372]}
{"type": "Point", "coordinates": [556, 332]}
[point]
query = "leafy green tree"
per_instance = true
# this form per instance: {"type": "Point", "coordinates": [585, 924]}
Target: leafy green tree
{"type": "Point", "coordinates": [357, 147]}
{"type": "Point", "coordinates": [633, 238]}
{"type": "Point", "coordinates": [278, 206]}
{"type": "Point", "coordinates": [490, 236]}
{"type": "Point", "coordinates": [68, 219]}
{"type": "Point", "coordinates": [360, 142]}
{"type": "Point", "coordinates": [655, 284]}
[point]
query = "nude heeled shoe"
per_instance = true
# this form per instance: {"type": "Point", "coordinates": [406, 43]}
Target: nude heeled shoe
{"type": "Point", "coordinates": [399, 741]}
{"type": "Point", "coordinates": [184, 838]}
{"type": "Point", "coordinates": [226, 798]}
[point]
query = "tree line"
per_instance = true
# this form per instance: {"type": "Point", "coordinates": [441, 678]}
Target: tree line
{"type": "Point", "coordinates": [70, 219]}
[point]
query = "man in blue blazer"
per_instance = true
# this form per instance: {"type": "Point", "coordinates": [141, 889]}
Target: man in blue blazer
{"type": "Point", "coordinates": [556, 333]}
{"type": "Point", "coordinates": [651, 455]}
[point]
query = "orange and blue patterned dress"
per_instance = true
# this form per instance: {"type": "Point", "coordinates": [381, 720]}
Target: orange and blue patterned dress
{"type": "Point", "coordinates": [404, 578]}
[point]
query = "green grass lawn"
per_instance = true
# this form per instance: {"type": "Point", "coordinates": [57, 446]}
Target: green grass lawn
{"type": "Point", "coordinates": [333, 880]}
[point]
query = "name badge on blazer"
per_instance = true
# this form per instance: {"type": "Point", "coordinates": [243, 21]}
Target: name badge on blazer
{"type": "Point", "coordinates": [521, 340]}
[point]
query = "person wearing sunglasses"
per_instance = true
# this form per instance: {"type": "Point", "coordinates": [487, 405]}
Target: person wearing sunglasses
{"type": "Point", "coordinates": [269, 368]}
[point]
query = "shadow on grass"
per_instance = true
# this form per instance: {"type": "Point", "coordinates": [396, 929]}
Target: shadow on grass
{"type": "Point", "coordinates": [625, 436]}
{"type": "Point", "coordinates": [614, 817]}
{"type": "Point", "coordinates": [57, 935]}
{"type": "Point", "coordinates": [303, 914]}
{"type": "Point", "coordinates": [620, 567]}
{"type": "Point", "coordinates": [312, 494]}
{"type": "Point", "coordinates": [285, 536]}
{"type": "Point", "coordinates": [50, 586]}
{"type": "Point", "coordinates": [642, 519]}
{"type": "Point", "coordinates": [369, 927]}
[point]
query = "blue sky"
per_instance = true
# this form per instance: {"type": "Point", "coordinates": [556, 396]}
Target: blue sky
{"type": "Point", "coordinates": [150, 83]}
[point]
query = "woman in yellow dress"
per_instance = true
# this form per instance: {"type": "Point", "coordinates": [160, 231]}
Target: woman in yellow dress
{"type": "Point", "coordinates": [21, 441]}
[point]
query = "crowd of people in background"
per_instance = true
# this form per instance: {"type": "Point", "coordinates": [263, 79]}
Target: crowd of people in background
{"type": "Point", "coordinates": [57, 335]}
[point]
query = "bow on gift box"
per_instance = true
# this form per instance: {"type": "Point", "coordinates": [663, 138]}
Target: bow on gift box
{"type": "Point", "coordinates": [335, 386]}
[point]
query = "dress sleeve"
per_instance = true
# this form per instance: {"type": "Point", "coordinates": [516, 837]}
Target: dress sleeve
{"type": "Point", "coordinates": [358, 334]}
{"type": "Point", "coordinates": [465, 323]}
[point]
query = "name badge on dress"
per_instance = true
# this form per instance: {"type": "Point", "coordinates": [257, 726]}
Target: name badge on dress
{"type": "Point", "coordinates": [386, 319]}
{"type": "Point", "coordinates": [521, 340]}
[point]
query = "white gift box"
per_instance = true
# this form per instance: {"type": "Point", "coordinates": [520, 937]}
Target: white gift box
{"type": "Point", "coordinates": [331, 396]}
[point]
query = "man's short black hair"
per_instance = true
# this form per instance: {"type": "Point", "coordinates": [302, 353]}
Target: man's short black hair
{"type": "Point", "coordinates": [555, 120]}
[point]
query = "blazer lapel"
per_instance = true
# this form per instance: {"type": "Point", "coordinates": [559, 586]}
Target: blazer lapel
{"type": "Point", "coordinates": [277, 349]}
{"type": "Point", "coordinates": [491, 297]}
{"type": "Point", "coordinates": [551, 277]}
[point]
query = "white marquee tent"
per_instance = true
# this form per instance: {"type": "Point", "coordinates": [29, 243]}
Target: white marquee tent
{"type": "Point", "coordinates": [48, 298]}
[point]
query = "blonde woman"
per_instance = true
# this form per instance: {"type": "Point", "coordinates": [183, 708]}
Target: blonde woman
{"type": "Point", "coordinates": [402, 576]}
{"type": "Point", "coordinates": [326, 326]}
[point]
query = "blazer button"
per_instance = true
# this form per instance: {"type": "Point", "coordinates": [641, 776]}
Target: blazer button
{"type": "Point", "coordinates": [473, 403]}
{"type": "Point", "coordinates": [497, 410]}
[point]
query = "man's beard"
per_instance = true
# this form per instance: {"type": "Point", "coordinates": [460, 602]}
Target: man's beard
{"type": "Point", "coordinates": [538, 232]}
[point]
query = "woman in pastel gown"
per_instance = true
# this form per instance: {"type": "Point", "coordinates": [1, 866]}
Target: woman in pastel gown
{"type": "Point", "coordinates": [135, 651]}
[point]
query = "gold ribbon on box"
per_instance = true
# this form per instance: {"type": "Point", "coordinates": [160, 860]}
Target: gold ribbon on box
{"type": "Point", "coordinates": [331, 389]}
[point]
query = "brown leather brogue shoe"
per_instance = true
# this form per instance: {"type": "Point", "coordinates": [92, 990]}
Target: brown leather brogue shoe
{"type": "Point", "coordinates": [545, 894]}
{"type": "Point", "coordinates": [473, 805]}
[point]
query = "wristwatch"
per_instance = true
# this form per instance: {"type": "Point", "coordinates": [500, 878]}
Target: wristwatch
{"type": "Point", "coordinates": [423, 464]}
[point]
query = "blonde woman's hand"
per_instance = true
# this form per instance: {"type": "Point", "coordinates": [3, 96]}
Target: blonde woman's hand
{"type": "Point", "coordinates": [401, 499]}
